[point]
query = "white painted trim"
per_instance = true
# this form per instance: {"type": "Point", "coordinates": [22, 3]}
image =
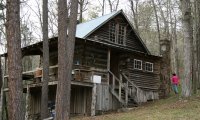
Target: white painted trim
{"type": "Point", "coordinates": [150, 64]}
{"type": "Point", "coordinates": [136, 60]}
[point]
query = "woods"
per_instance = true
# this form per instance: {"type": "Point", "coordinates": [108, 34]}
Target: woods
{"type": "Point", "coordinates": [117, 47]}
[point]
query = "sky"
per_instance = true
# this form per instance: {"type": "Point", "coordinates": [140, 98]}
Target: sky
{"type": "Point", "coordinates": [30, 13]}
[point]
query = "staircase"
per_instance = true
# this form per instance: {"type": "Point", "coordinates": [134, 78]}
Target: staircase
{"type": "Point", "coordinates": [124, 90]}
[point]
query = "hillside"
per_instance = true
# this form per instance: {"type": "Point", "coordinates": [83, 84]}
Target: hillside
{"type": "Point", "coordinates": [172, 108]}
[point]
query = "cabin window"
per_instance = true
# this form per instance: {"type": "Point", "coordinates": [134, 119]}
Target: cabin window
{"type": "Point", "coordinates": [137, 64]}
{"type": "Point", "coordinates": [117, 33]}
{"type": "Point", "coordinates": [121, 34]}
{"type": "Point", "coordinates": [112, 32]}
{"type": "Point", "coordinates": [149, 67]}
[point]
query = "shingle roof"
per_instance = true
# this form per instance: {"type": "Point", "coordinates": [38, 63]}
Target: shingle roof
{"type": "Point", "coordinates": [84, 29]}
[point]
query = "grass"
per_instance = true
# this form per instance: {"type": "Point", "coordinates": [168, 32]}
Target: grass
{"type": "Point", "coordinates": [171, 108]}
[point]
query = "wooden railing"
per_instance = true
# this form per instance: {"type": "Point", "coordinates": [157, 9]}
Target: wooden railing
{"type": "Point", "coordinates": [119, 89]}
{"type": "Point", "coordinates": [123, 89]}
{"type": "Point", "coordinates": [132, 88]}
{"type": "Point", "coordinates": [79, 73]}
{"type": "Point", "coordinates": [86, 74]}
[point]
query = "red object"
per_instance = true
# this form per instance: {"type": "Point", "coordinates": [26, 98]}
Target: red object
{"type": "Point", "coordinates": [175, 80]}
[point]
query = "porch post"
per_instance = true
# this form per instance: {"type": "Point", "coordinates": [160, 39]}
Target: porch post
{"type": "Point", "coordinates": [27, 103]}
{"type": "Point", "coordinates": [2, 92]}
{"type": "Point", "coordinates": [93, 103]}
{"type": "Point", "coordinates": [108, 65]}
{"type": "Point", "coordinates": [120, 87]}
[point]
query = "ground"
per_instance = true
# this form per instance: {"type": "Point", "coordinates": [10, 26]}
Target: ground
{"type": "Point", "coordinates": [172, 108]}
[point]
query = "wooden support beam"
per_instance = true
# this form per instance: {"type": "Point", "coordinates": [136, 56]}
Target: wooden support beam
{"type": "Point", "coordinates": [113, 81]}
{"type": "Point", "coordinates": [27, 103]}
{"type": "Point", "coordinates": [93, 103]}
{"type": "Point", "coordinates": [126, 93]}
{"type": "Point", "coordinates": [108, 66]}
{"type": "Point", "coordinates": [2, 97]}
{"type": "Point", "coordinates": [120, 87]}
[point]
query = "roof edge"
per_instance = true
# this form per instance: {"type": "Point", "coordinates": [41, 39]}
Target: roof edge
{"type": "Point", "coordinates": [117, 12]}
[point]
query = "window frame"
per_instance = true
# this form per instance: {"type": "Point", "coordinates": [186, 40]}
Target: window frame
{"type": "Point", "coordinates": [134, 64]}
{"type": "Point", "coordinates": [112, 32]}
{"type": "Point", "coordinates": [117, 33]}
{"type": "Point", "coordinates": [150, 63]}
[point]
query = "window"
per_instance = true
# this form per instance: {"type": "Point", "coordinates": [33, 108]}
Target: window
{"type": "Point", "coordinates": [149, 67]}
{"type": "Point", "coordinates": [121, 34]}
{"type": "Point", "coordinates": [112, 32]}
{"type": "Point", "coordinates": [117, 33]}
{"type": "Point", "coordinates": [137, 64]}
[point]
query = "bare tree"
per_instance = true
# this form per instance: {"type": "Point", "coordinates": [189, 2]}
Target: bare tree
{"type": "Point", "coordinates": [164, 18]}
{"type": "Point", "coordinates": [1, 90]}
{"type": "Point", "coordinates": [113, 5]}
{"type": "Point", "coordinates": [196, 42]}
{"type": "Point", "coordinates": [15, 103]}
{"type": "Point", "coordinates": [82, 8]}
{"type": "Point", "coordinates": [134, 10]}
{"type": "Point", "coordinates": [197, 37]}
{"type": "Point", "coordinates": [102, 4]}
{"type": "Point", "coordinates": [44, 98]}
{"type": "Point", "coordinates": [157, 22]}
{"type": "Point", "coordinates": [2, 25]}
{"type": "Point", "coordinates": [65, 57]}
{"type": "Point", "coordinates": [188, 40]}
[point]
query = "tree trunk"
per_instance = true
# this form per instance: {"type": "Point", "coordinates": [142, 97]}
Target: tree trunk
{"type": "Point", "coordinates": [65, 57]}
{"type": "Point", "coordinates": [113, 6]}
{"type": "Point", "coordinates": [15, 101]}
{"type": "Point", "coordinates": [1, 91]}
{"type": "Point", "coordinates": [165, 18]}
{"type": "Point", "coordinates": [81, 10]}
{"type": "Point", "coordinates": [157, 23]}
{"type": "Point", "coordinates": [194, 62]}
{"type": "Point", "coordinates": [173, 38]}
{"type": "Point", "coordinates": [187, 27]}
{"type": "Point", "coordinates": [135, 14]}
{"type": "Point", "coordinates": [61, 111]}
{"type": "Point", "coordinates": [1, 77]}
{"type": "Point", "coordinates": [110, 4]}
{"type": "Point", "coordinates": [103, 7]}
{"type": "Point", "coordinates": [198, 39]}
{"type": "Point", "coordinates": [44, 97]}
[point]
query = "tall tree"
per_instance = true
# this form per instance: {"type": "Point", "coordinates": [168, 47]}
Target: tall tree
{"type": "Point", "coordinates": [164, 18]}
{"type": "Point", "coordinates": [65, 57]}
{"type": "Point", "coordinates": [157, 22]}
{"type": "Point", "coordinates": [1, 90]}
{"type": "Point", "coordinates": [82, 7]}
{"type": "Point", "coordinates": [102, 4]}
{"type": "Point", "coordinates": [44, 98]}
{"type": "Point", "coordinates": [188, 40]}
{"type": "Point", "coordinates": [134, 10]}
{"type": "Point", "coordinates": [15, 101]}
{"type": "Point", "coordinates": [113, 5]}
{"type": "Point", "coordinates": [197, 31]}
{"type": "Point", "coordinates": [196, 43]}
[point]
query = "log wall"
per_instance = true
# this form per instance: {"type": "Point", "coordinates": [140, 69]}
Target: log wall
{"type": "Point", "coordinates": [80, 100]}
{"type": "Point", "coordinates": [131, 40]}
{"type": "Point", "coordinates": [149, 81]}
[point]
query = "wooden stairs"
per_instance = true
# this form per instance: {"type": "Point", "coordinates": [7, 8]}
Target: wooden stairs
{"type": "Point", "coordinates": [124, 90]}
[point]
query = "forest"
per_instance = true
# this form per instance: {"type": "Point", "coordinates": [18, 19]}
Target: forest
{"type": "Point", "coordinates": [26, 22]}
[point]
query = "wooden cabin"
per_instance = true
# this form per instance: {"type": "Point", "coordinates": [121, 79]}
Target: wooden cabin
{"type": "Point", "coordinates": [112, 68]}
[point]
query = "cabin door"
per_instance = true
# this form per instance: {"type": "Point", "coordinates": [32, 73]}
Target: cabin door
{"type": "Point", "coordinates": [114, 63]}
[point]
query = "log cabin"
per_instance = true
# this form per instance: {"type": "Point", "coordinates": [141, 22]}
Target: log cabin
{"type": "Point", "coordinates": [112, 69]}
